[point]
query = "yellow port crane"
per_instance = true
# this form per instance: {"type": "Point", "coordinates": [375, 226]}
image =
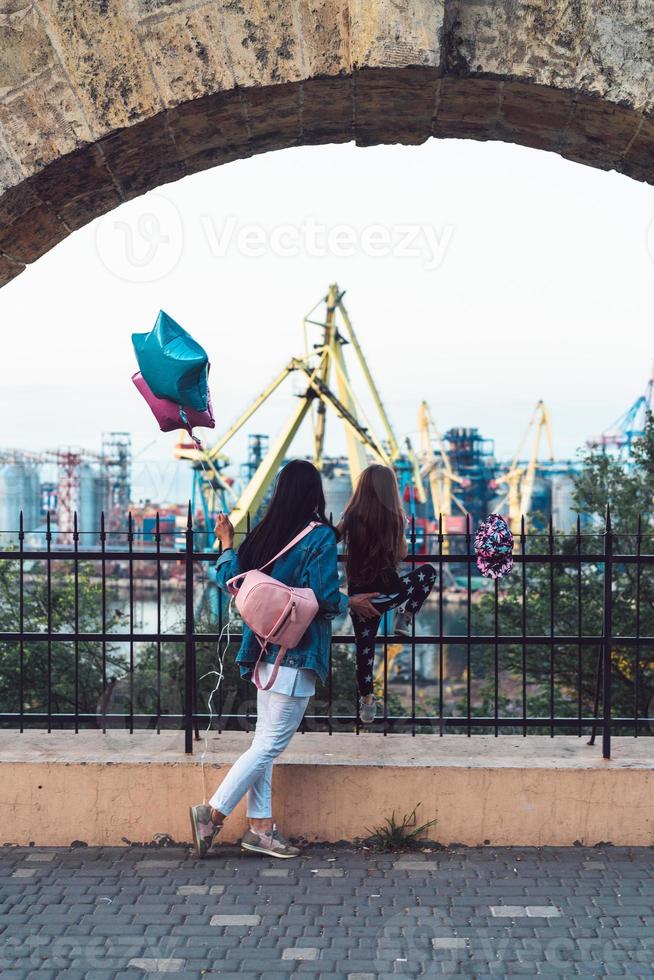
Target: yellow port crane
{"type": "Point", "coordinates": [437, 467]}
{"type": "Point", "coordinates": [316, 367]}
{"type": "Point", "coordinates": [520, 477]}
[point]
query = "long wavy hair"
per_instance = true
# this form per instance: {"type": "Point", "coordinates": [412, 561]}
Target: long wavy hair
{"type": "Point", "coordinates": [373, 525]}
{"type": "Point", "coordinates": [297, 500]}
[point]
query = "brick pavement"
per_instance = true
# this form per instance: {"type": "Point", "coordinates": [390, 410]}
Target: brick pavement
{"type": "Point", "coordinates": [101, 913]}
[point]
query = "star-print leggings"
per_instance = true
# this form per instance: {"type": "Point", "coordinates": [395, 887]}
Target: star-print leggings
{"type": "Point", "coordinates": [414, 588]}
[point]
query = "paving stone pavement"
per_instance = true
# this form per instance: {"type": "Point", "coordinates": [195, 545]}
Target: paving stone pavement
{"type": "Point", "coordinates": [335, 913]}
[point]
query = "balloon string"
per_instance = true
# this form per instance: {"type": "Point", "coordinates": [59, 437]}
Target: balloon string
{"type": "Point", "coordinates": [200, 448]}
{"type": "Point", "coordinates": [219, 673]}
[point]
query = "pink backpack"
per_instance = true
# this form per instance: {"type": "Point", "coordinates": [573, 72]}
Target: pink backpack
{"type": "Point", "coordinates": [275, 612]}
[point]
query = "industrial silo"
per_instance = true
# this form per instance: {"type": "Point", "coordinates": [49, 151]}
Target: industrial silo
{"type": "Point", "coordinates": [563, 513]}
{"type": "Point", "coordinates": [91, 503]}
{"type": "Point", "coordinates": [19, 491]}
{"type": "Point", "coordinates": [337, 485]}
{"type": "Point", "coordinates": [541, 503]}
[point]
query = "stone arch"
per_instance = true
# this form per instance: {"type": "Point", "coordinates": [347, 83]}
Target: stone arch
{"type": "Point", "coordinates": [103, 100]}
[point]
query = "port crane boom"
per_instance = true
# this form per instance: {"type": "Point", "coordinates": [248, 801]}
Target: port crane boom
{"type": "Point", "coordinates": [318, 365]}
{"type": "Point", "coordinates": [621, 436]}
{"type": "Point", "coordinates": [520, 478]}
{"type": "Point", "coordinates": [437, 467]}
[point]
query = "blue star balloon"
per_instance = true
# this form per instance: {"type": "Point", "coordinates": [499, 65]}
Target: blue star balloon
{"type": "Point", "coordinates": [173, 364]}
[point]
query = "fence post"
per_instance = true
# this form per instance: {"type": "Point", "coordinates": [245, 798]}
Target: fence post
{"type": "Point", "coordinates": [189, 644]}
{"type": "Point", "coordinates": [607, 637]}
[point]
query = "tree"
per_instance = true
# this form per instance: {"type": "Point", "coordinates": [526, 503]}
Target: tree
{"type": "Point", "coordinates": [563, 678]}
{"type": "Point", "coordinates": [73, 673]}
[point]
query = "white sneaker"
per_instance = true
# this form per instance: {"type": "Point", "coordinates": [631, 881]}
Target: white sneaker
{"type": "Point", "coordinates": [367, 711]}
{"type": "Point", "coordinates": [204, 829]}
{"type": "Point", "coordinates": [403, 622]}
{"type": "Point", "coordinates": [271, 843]}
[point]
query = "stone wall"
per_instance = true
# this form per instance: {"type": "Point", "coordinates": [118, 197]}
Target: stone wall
{"type": "Point", "coordinates": [102, 100]}
{"type": "Point", "coordinates": [504, 791]}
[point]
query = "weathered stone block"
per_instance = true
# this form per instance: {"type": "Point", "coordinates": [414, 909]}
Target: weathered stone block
{"type": "Point", "coordinates": [264, 46]}
{"type": "Point", "coordinates": [467, 107]}
{"type": "Point", "coordinates": [540, 113]}
{"type": "Point", "coordinates": [78, 187]}
{"type": "Point", "coordinates": [327, 110]}
{"type": "Point", "coordinates": [395, 33]}
{"type": "Point", "coordinates": [134, 171]}
{"type": "Point", "coordinates": [638, 161]}
{"type": "Point", "coordinates": [102, 56]}
{"type": "Point", "coordinates": [272, 130]}
{"type": "Point", "coordinates": [324, 30]}
{"type": "Point", "coordinates": [381, 101]}
{"type": "Point", "coordinates": [216, 122]}
{"type": "Point", "coordinates": [188, 53]}
{"type": "Point", "coordinates": [25, 48]}
{"type": "Point", "coordinates": [599, 133]}
{"type": "Point", "coordinates": [27, 227]}
{"type": "Point", "coordinates": [43, 120]}
{"type": "Point", "coordinates": [9, 269]}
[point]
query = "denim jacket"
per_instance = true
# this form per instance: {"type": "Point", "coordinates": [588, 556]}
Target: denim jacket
{"type": "Point", "coordinates": [312, 564]}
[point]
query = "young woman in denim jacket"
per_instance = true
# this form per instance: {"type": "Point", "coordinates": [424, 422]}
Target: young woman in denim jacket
{"type": "Point", "coordinates": [297, 501]}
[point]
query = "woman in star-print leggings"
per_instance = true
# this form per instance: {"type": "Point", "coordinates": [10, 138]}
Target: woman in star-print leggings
{"type": "Point", "coordinates": [410, 592]}
{"type": "Point", "coordinates": [373, 532]}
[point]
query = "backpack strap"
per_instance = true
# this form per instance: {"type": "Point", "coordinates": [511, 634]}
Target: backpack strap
{"type": "Point", "coordinates": [291, 544]}
{"type": "Point", "coordinates": [277, 664]}
{"type": "Point", "coordinates": [264, 644]}
{"type": "Point", "coordinates": [233, 584]}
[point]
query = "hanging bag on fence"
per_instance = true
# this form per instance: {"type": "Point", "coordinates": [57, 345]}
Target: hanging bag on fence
{"type": "Point", "coordinates": [275, 612]}
{"type": "Point", "coordinates": [494, 547]}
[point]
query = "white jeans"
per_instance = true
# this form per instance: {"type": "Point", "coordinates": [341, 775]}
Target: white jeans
{"type": "Point", "coordinates": [278, 719]}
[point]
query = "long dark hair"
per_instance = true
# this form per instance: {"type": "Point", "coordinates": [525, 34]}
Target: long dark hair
{"type": "Point", "coordinates": [297, 500]}
{"type": "Point", "coordinates": [373, 525]}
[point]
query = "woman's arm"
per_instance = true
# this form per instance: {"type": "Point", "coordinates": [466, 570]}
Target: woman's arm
{"type": "Point", "coordinates": [322, 572]}
{"type": "Point", "coordinates": [322, 577]}
{"type": "Point", "coordinates": [227, 565]}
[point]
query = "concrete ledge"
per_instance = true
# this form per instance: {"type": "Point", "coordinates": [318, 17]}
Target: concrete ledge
{"type": "Point", "coordinates": [119, 788]}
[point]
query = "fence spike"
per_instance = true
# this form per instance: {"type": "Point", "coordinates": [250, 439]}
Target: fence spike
{"type": "Point", "coordinates": [608, 518]}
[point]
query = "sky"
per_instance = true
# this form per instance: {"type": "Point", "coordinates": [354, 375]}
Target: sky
{"type": "Point", "coordinates": [479, 276]}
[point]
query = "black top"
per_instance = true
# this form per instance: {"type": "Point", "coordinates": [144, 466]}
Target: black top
{"type": "Point", "coordinates": [387, 581]}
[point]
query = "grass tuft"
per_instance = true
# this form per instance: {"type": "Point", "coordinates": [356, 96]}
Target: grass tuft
{"type": "Point", "coordinates": [392, 835]}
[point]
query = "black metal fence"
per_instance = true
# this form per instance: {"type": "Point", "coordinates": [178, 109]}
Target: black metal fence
{"type": "Point", "coordinates": [121, 630]}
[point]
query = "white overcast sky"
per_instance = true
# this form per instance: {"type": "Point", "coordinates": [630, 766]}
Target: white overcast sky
{"type": "Point", "coordinates": [531, 277]}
